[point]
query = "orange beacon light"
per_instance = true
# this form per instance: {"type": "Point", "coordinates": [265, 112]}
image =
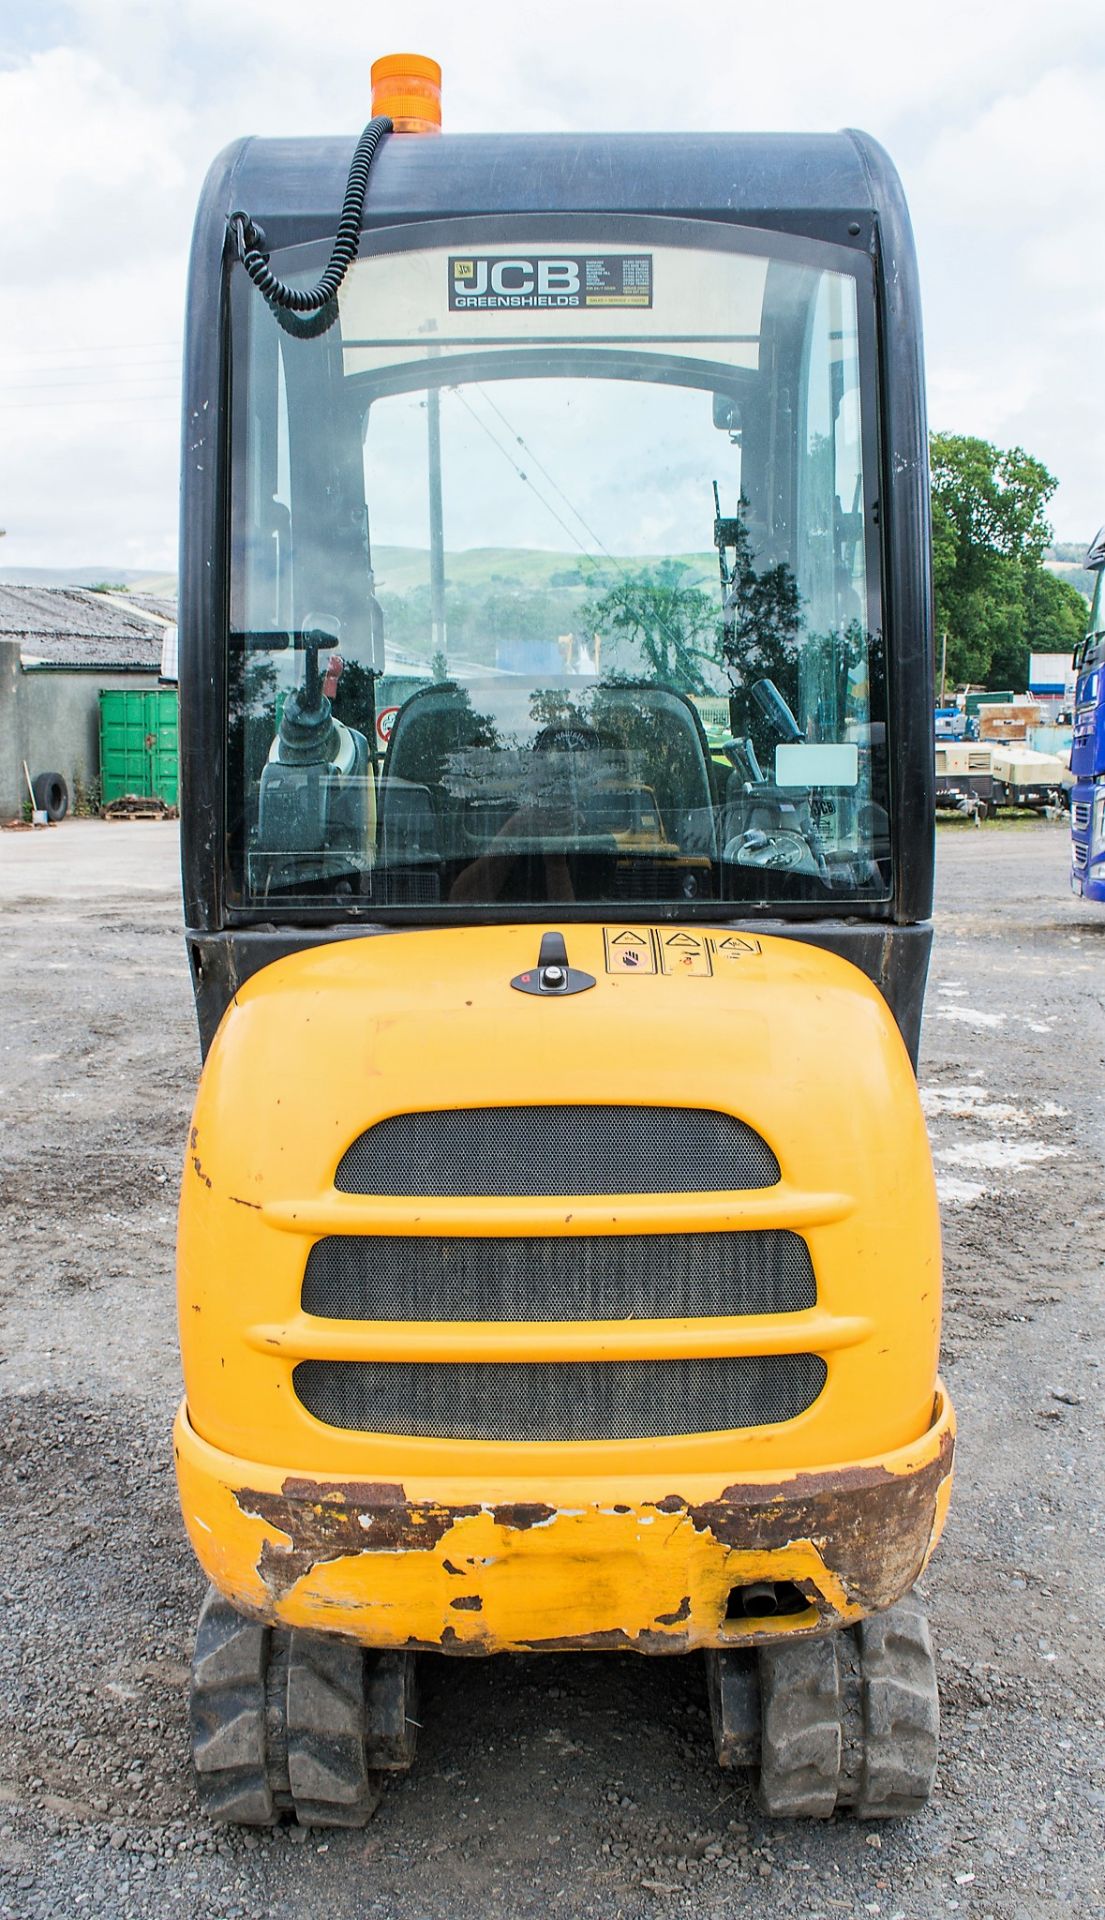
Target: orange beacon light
{"type": "Point", "coordinates": [407, 87]}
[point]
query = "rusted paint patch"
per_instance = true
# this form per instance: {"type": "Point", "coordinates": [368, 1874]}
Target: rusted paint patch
{"type": "Point", "coordinates": [340, 1519]}
{"type": "Point", "coordinates": [199, 1172]}
{"type": "Point", "coordinates": [451, 1642]}
{"type": "Point", "coordinates": [523, 1515]}
{"type": "Point", "coordinates": [614, 1640]}
{"type": "Point", "coordinates": [651, 1641]}
{"type": "Point", "coordinates": [672, 1640]}
{"type": "Point", "coordinates": [872, 1525]}
{"type": "Point", "coordinates": [608, 1640]}
{"type": "Point", "coordinates": [870, 1528]}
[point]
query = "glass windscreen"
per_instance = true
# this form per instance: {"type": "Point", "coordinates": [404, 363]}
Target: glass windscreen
{"type": "Point", "coordinates": [1092, 651]}
{"type": "Point", "coordinates": [554, 577]}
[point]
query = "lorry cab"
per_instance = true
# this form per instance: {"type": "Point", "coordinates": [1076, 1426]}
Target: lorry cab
{"type": "Point", "coordinates": [559, 1255]}
{"type": "Point", "coordinates": [1087, 758]}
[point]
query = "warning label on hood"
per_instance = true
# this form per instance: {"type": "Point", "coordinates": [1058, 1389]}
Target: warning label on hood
{"type": "Point", "coordinates": [504, 282]}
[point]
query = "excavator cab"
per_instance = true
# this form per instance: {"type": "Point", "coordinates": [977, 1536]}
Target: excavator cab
{"type": "Point", "coordinates": [559, 1257]}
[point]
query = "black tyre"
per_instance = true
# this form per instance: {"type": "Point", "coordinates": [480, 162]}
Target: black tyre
{"type": "Point", "coordinates": [51, 795]}
{"type": "Point", "coordinates": [282, 1723]}
{"type": "Point", "coordinates": [328, 1771]}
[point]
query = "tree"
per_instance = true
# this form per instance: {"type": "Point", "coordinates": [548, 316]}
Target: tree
{"type": "Point", "coordinates": [993, 499]}
{"type": "Point", "coordinates": [994, 599]}
{"type": "Point", "coordinates": [671, 630]}
{"type": "Point", "coordinates": [1056, 613]}
{"type": "Point", "coordinates": [763, 619]}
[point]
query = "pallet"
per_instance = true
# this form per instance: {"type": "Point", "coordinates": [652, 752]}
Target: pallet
{"type": "Point", "coordinates": [137, 806]}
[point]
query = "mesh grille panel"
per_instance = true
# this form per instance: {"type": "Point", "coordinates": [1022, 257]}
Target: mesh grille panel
{"type": "Point", "coordinates": [542, 1150]}
{"type": "Point", "coordinates": [645, 1276]}
{"type": "Point", "coordinates": [560, 1400]}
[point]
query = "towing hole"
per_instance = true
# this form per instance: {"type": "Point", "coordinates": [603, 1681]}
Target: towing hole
{"type": "Point", "coordinates": [765, 1599]}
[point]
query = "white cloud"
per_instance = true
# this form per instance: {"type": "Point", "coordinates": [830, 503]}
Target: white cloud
{"type": "Point", "coordinates": [108, 123]}
{"type": "Point", "coordinates": [1007, 211]}
{"type": "Point", "coordinates": [96, 163]}
{"type": "Point", "coordinates": [1026, 156]}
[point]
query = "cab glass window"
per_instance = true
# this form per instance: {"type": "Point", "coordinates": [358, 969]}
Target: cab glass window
{"type": "Point", "coordinates": [555, 577]}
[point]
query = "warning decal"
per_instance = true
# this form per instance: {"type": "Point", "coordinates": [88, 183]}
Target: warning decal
{"type": "Point", "coordinates": [736, 946]}
{"type": "Point", "coordinates": [505, 282]}
{"type": "Point", "coordinates": [685, 953]}
{"type": "Point", "coordinates": [662, 950]}
{"type": "Point", "coordinates": [629, 949]}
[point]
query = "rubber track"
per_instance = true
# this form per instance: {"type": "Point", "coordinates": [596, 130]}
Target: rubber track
{"type": "Point", "coordinates": [852, 1720]}
{"type": "Point", "coordinates": [278, 1724]}
{"type": "Point", "coordinates": [227, 1709]}
{"type": "Point", "coordinates": [800, 1729]}
{"type": "Point", "coordinates": [328, 1772]}
{"type": "Point", "coordinates": [901, 1712]}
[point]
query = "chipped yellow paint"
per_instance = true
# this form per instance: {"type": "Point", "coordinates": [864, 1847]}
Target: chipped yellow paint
{"type": "Point", "coordinates": [467, 1574]}
{"type": "Point", "coordinates": [940, 1514]}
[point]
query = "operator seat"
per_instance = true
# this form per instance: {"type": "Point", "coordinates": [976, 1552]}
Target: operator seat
{"type": "Point", "coordinates": [435, 723]}
{"type": "Point", "coordinates": [663, 733]}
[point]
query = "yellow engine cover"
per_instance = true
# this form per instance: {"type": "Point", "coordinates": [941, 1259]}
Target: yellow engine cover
{"type": "Point", "coordinates": [480, 1544]}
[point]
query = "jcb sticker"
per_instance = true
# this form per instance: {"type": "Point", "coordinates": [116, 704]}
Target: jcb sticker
{"type": "Point", "coordinates": [686, 953]}
{"type": "Point", "coordinates": [503, 282]}
{"type": "Point", "coordinates": [629, 949]}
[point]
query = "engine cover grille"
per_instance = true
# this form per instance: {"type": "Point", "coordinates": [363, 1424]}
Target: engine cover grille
{"type": "Point", "coordinates": [643, 1276]}
{"type": "Point", "coordinates": [559, 1400]}
{"type": "Point", "coordinates": [569, 1150]}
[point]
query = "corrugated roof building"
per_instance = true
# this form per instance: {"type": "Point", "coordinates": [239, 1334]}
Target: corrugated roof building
{"type": "Point", "coordinates": [59, 646]}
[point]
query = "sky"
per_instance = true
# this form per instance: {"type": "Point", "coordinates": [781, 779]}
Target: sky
{"type": "Point", "coordinates": [111, 110]}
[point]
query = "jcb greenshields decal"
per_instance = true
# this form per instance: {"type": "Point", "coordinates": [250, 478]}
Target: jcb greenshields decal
{"type": "Point", "coordinates": [504, 282]}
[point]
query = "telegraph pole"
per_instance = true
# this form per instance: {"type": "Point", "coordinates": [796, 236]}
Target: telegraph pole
{"type": "Point", "coordinates": [437, 525]}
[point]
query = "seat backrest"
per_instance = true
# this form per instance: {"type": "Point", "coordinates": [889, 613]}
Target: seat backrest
{"type": "Point", "coordinates": [663, 732]}
{"type": "Point", "coordinates": [435, 722]}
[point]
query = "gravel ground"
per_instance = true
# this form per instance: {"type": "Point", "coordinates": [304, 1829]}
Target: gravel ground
{"type": "Point", "coordinates": [550, 1785]}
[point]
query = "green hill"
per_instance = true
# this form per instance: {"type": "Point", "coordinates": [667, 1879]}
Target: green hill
{"type": "Point", "coordinates": [475, 569]}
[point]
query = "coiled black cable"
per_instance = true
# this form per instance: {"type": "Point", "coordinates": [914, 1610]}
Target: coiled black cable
{"type": "Point", "coordinates": [250, 240]}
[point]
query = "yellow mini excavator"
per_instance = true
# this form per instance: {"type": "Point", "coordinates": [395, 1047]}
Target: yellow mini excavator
{"type": "Point", "coordinates": [559, 1255]}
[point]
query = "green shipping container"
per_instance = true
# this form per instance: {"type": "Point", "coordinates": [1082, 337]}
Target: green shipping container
{"type": "Point", "coordinates": [977, 700]}
{"type": "Point", "coordinates": [138, 745]}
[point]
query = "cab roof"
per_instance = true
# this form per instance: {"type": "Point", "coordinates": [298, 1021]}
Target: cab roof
{"type": "Point", "coordinates": [797, 182]}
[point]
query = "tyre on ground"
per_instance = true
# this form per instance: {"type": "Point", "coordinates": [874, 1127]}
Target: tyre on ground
{"type": "Point", "coordinates": [51, 795]}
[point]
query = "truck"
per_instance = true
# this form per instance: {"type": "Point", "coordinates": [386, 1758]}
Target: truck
{"type": "Point", "coordinates": [559, 1257]}
{"type": "Point", "coordinates": [1087, 754]}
